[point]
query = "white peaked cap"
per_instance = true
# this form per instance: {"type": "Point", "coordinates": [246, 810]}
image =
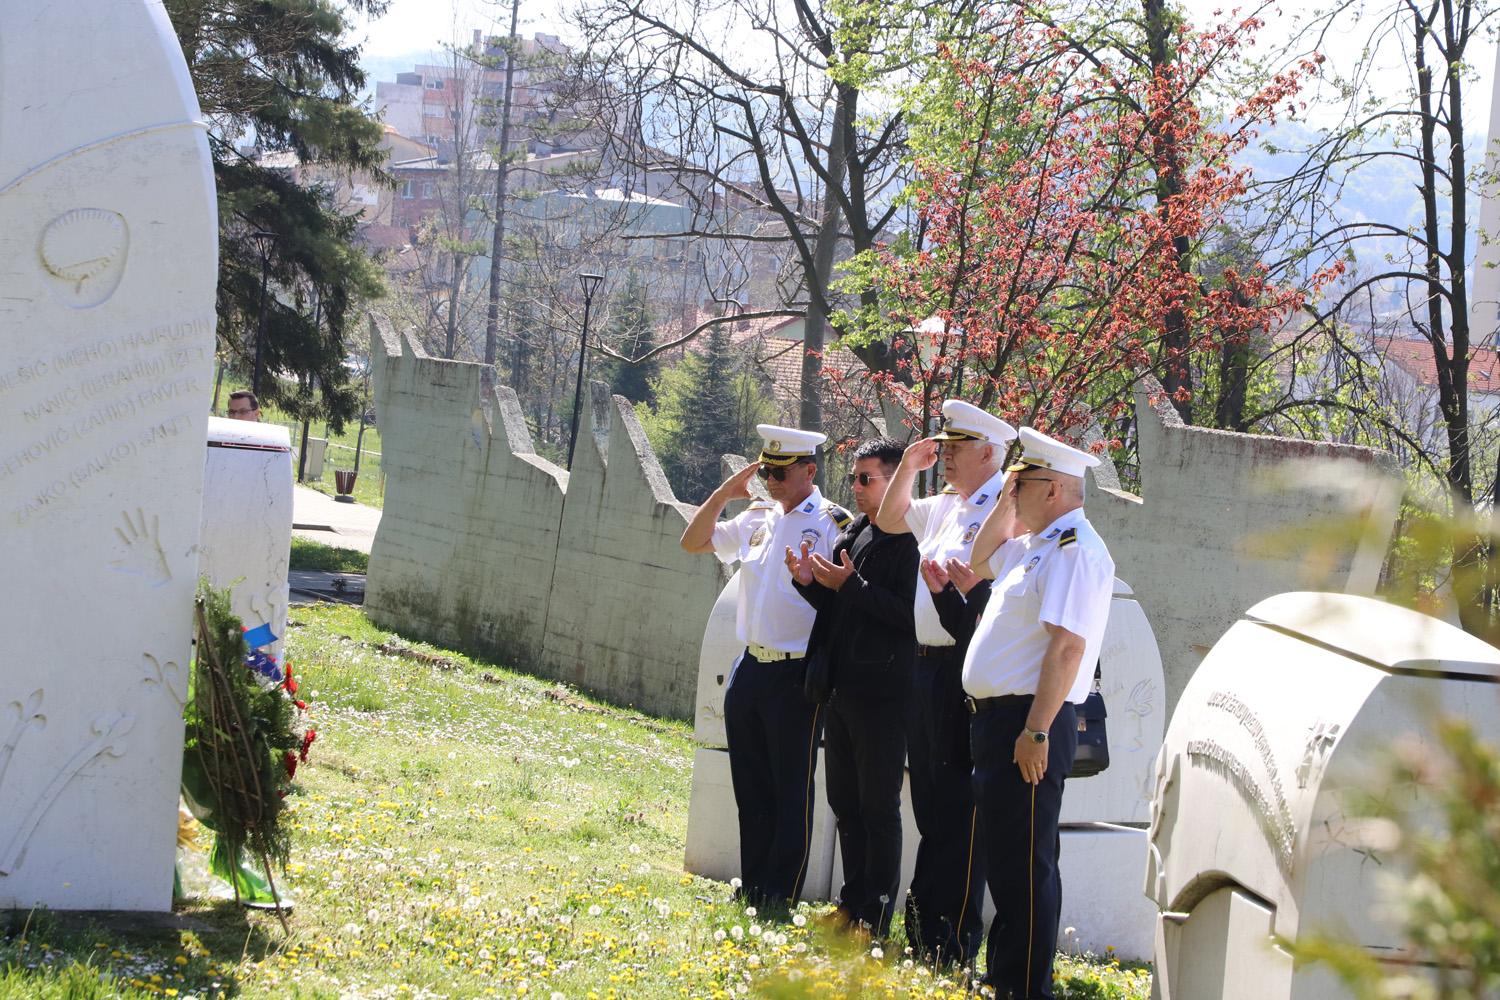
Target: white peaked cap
{"type": "Point", "coordinates": [967, 422]}
{"type": "Point", "coordinates": [1043, 452]}
{"type": "Point", "coordinates": [784, 445]}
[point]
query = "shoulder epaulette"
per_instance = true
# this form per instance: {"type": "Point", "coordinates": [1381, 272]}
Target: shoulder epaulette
{"type": "Point", "coordinates": [1068, 537]}
{"type": "Point", "coordinates": [950, 488]}
{"type": "Point", "coordinates": [761, 504]}
{"type": "Point", "coordinates": [841, 517]}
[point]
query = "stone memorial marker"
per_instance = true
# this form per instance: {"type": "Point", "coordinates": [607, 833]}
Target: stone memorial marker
{"type": "Point", "coordinates": [246, 540]}
{"type": "Point", "coordinates": [1254, 833]}
{"type": "Point", "coordinates": [108, 249]}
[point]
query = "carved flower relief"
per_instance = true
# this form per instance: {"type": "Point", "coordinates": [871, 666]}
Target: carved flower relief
{"type": "Point", "coordinates": [84, 251]}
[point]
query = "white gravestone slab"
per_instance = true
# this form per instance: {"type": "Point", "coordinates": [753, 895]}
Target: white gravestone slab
{"type": "Point", "coordinates": [247, 520]}
{"type": "Point", "coordinates": [1134, 689]}
{"type": "Point", "coordinates": [721, 650]}
{"type": "Point", "coordinates": [108, 250]}
{"type": "Point", "coordinates": [1254, 829]}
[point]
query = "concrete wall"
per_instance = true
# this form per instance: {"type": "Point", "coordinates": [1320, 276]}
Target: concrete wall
{"type": "Point", "coordinates": [466, 543]}
{"type": "Point", "coordinates": [1226, 520]}
{"type": "Point", "coordinates": [486, 546]}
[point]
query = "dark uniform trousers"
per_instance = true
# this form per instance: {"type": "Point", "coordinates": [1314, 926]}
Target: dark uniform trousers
{"type": "Point", "coordinates": [864, 749]}
{"type": "Point", "coordinates": [944, 919]}
{"type": "Point", "coordinates": [773, 733]}
{"type": "Point", "coordinates": [1018, 828]}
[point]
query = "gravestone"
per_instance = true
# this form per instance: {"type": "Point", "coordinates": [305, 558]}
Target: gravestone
{"type": "Point", "coordinates": [246, 541]}
{"type": "Point", "coordinates": [108, 244]}
{"type": "Point", "coordinates": [1256, 836]}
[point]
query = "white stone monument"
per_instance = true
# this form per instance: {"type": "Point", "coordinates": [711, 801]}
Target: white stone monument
{"type": "Point", "coordinates": [1253, 833]}
{"type": "Point", "coordinates": [247, 521]}
{"type": "Point", "coordinates": [108, 250]}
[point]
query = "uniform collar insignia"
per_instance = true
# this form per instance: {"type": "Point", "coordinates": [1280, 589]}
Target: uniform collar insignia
{"type": "Point", "coordinates": [979, 501]}
{"type": "Point", "coordinates": [807, 508]}
{"type": "Point", "coordinates": [1053, 533]}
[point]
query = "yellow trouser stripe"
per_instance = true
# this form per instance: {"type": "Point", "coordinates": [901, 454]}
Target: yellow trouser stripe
{"type": "Point", "coordinates": [968, 872]}
{"type": "Point", "coordinates": [812, 756]}
{"type": "Point", "coordinates": [1031, 885]}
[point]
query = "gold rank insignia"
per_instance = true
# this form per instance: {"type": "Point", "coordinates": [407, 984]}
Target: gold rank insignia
{"type": "Point", "coordinates": [1068, 537]}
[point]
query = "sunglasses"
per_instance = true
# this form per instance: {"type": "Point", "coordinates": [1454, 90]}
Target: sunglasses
{"type": "Point", "coordinates": [865, 478]}
{"type": "Point", "coordinates": [1016, 484]}
{"type": "Point", "coordinates": [776, 472]}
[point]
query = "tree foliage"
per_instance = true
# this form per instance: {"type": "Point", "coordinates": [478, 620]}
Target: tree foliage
{"type": "Point", "coordinates": [280, 72]}
{"type": "Point", "coordinates": [706, 407]}
{"type": "Point", "coordinates": [1052, 263]}
{"type": "Point", "coordinates": [630, 331]}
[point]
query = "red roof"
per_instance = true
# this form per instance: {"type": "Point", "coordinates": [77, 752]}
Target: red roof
{"type": "Point", "coordinates": [1415, 358]}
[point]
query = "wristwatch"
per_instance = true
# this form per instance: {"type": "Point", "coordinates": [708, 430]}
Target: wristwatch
{"type": "Point", "coordinates": [1033, 735]}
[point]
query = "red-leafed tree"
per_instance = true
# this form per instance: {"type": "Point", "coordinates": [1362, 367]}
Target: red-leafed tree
{"type": "Point", "coordinates": [1059, 227]}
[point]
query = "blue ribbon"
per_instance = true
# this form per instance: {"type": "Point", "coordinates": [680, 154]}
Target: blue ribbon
{"type": "Point", "coordinates": [259, 636]}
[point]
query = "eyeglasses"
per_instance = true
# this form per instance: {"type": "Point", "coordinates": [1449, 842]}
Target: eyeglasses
{"type": "Point", "coordinates": [776, 472]}
{"type": "Point", "coordinates": [1015, 484]}
{"type": "Point", "coordinates": [236, 413]}
{"type": "Point", "coordinates": [865, 478]}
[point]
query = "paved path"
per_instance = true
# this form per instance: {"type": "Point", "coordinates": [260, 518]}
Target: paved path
{"type": "Point", "coordinates": [321, 518]}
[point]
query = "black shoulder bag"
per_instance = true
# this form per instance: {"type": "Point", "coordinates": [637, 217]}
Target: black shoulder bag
{"type": "Point", "coordinates": [1093, 742]}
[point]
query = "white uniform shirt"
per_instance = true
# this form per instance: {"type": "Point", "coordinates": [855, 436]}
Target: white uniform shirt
{"type": "Point", "coordinates": [771, 612]}
{"type": "Point", "coordinates": [945, 526]}
{"type": "Point", "coordinates": [1063, 576]}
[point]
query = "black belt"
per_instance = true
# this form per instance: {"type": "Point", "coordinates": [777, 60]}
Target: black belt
{"type": "Point", "coordinates": [937, 652]}
{"type": "Point", "coordinates": [977, 705]}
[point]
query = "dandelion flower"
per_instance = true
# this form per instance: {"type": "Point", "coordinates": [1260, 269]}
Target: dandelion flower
{"type": "Point", "coordinates": [737, 932]}
{"type": "Point", "coordinates": [799, 921]}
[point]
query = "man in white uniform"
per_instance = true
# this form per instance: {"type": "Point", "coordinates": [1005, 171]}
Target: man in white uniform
{"type": "Point", "coordinates": [1030, 661]}
{"type": "Point", "coordinates": [943, 905]}
{"type": "Point", "coordinates": [772, 728]}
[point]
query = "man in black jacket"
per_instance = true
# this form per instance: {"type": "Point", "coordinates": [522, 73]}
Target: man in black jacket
{"type": "Point", "coordinates": [864, 600]}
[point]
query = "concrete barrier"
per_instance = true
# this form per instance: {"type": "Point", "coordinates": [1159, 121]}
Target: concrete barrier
{"type": "Point", "coordinates": [488, 547]}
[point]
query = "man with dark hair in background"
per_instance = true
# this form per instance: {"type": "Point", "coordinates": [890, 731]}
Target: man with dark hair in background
{"type": "Point", "coordinates": [243, 406]}
{"type": "Point", "coordinates": [864, 597]}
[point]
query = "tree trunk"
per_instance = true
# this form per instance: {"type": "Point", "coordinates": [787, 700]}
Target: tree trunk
{"type": "Point", "coordinates": [1177, 377]}
{"type": "Point", "coordinates": [502, 173]}
{"type": "Point", "coordinates": [810, 414]}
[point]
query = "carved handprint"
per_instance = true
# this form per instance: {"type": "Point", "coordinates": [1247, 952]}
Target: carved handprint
{"type": "Point", "coordinates": [143, 552]}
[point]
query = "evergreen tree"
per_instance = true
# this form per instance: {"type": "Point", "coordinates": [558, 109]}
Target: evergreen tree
{"type": "Point", "coordinates": [703, 407]}
{"type": "Point", "coordinates": [279, 70]}
{"type": "Point", "coordinates": [630, 333]}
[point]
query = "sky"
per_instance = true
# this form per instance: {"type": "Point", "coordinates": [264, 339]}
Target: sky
{"type": "Point", "coordinates": [415, 30]}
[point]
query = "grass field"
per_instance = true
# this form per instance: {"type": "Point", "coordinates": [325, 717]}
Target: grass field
{"type": "Point", "coordinates": [311, 555]}
{"type": "Point", "coordinates": [467, 831]}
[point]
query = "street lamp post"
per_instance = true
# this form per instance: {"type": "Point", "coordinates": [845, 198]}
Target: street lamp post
{"type": "Point", "coordinates": [264, 242]}
{"type": "Point", "coordinates": [590, 283]}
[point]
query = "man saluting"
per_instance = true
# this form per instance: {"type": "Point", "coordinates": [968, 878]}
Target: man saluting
{"type": "Point", "coordinates": [943, 905]}
{"type": "Point", "coordinates": [773, 730]}
{"type": "Point", "coordinates": [1031, 660]}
